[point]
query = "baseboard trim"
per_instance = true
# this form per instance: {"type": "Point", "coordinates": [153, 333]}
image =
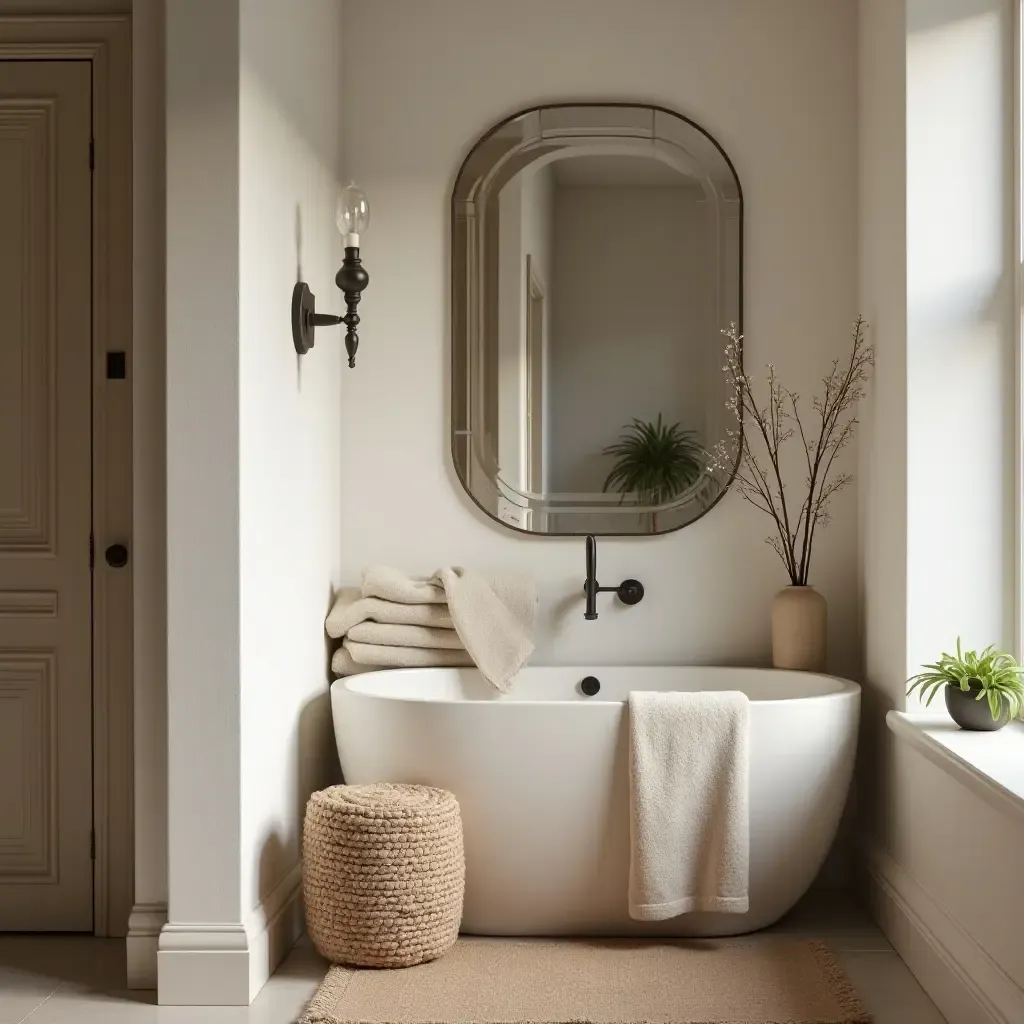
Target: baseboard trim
{"type": "Point", "coordinates": [273, 928]}
{"type": "Point", "coordinates": [212, 964]}
{"type": "Point", "coordinates": [144, 926]}
{"type": "Point", "coordinates": [963, 981]}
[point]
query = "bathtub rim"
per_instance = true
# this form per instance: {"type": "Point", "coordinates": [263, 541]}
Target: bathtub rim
{"type": "Point", "coordinates": [354, 686]}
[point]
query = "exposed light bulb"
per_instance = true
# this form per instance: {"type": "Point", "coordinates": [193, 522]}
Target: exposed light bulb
{"type": "Point", "coordinates": [353, 213]}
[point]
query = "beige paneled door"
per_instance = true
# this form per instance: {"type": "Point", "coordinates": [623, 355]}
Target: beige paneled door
{"type": "Point", "coordinates": [46, 871]}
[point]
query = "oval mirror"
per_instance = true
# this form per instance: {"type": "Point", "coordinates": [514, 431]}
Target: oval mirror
{"type": "Point", "coordinates": [596, 258]}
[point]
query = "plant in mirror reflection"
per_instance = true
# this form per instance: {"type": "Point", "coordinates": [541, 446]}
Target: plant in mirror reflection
{"type": "Point", "coordinates": [655, 462]}
{"type": "Point", "coordinates": [822, 436]}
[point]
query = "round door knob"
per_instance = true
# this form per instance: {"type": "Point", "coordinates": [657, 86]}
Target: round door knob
{"type": "Point", "coordinates": [117, 556]}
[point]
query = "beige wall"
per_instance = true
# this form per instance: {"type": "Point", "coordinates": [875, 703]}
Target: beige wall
{"type": "Point", "coordinates": [789, 124]}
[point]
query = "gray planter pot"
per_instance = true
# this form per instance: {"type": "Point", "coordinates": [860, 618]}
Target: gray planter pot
{"type": "Point", "coordinates": [973, 714]}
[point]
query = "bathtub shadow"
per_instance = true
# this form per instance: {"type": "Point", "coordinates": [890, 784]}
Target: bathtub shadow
{"type": "Point", "coordinates": [627, 945]}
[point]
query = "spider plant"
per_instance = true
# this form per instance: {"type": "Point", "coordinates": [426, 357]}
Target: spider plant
{"type": "Point", "coordinates": [994, 674]}
{"type": "Point", "coordinates": [654, 461]}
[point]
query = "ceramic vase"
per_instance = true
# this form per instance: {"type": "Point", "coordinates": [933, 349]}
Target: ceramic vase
{"type": "Point", "coordinates": [799, 617]}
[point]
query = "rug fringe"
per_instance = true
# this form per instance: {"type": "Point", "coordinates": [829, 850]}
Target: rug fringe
{"type": "Point", "coordinates": [849, 1000]}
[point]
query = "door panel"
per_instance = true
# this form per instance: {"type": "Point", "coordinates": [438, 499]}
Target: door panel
{"type": "Point", "coordinates": [45, 496]}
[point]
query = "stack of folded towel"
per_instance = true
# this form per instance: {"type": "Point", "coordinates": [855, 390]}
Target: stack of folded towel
{"type": "Point", "coordinates": [454, 618]}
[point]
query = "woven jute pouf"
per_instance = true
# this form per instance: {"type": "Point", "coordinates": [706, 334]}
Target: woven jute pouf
{"type": "Point", "coordinates": [383, 874]}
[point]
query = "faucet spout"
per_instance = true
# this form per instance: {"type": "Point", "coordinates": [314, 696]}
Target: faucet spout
{"type": "Point", "coordinates": [629, 591]}
{"type": "Point", "coordinates": [590, 586]}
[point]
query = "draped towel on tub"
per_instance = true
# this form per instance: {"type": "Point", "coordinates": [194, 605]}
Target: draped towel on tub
{"type": "Point", "coordinates": [688, 792]}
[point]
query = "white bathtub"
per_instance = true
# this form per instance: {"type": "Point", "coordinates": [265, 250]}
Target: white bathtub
{"type": "Point", "coordinates": [541, 776]}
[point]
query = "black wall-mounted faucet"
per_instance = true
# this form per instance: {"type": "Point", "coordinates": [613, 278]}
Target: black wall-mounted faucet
{"type": "Point", "coordinates": [629, 591]}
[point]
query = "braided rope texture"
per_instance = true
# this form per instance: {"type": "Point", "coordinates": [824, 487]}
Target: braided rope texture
{"type": "Point", "coordinates": [383, 874]}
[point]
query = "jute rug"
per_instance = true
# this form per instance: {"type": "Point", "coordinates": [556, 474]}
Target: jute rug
{"type": "Point", "coordinates": [522, 981]}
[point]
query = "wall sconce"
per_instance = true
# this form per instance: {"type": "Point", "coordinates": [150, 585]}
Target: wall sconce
{"type": "Point", "coordinates": [353, 216]}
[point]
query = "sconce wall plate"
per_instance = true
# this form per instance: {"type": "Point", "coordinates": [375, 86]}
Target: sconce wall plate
{"type": "Point", "coordinates": [305, 318]}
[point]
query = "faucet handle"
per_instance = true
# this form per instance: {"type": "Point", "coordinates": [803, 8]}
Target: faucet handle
{"type": "Point", "coordinates": [630, 591]}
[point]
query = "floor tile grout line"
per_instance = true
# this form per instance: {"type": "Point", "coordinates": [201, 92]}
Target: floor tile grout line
{"type": "Point", "coordinates": [43, 1003]}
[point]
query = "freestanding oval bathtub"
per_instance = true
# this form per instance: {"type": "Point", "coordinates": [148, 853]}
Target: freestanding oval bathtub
{"type": "Point", "coordinates": [542, 778]}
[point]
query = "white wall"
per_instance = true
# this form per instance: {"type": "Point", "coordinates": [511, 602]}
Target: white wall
{"type": "Point", "coordinates": [632, 295]}
{"type": "Point", "coordinates": [253, 476]}
{"type": "Point", "coordinates": [290, 423]}
{"type": "Point", "coordinates": [788, 122]}
{"type": "Point", "coordinates": [203, 577]}
{"type": "Point", "coordinates": [937, 463]}
{"type": "Point", "coordinates": [935, 826]}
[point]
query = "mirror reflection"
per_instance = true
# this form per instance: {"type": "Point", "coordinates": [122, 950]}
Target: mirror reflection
{"type": "Point", "coordinates": [596, 258]}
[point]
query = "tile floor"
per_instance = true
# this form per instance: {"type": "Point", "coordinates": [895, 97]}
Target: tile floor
{"type": "Point", "coordinates": [80, 980]}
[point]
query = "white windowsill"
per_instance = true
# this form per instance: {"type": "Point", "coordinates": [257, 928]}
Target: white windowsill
{"type": "Point", "coordinates": [990, 763]}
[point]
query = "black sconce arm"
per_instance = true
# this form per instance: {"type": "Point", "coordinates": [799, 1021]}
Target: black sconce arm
{"type": "Point", "coordinates": [352, 278]}
{"type": "Point", "coordinates": [322, 319]}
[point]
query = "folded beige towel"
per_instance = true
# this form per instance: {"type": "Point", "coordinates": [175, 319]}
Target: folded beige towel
{"type": "Point", "coordinates": [517, 593]}
{"type": "Point", "coordinates": [343, 665]}
{"type": "Point", "coordinates": [392, 585]}
{"type": "Point", "coordinates": [354, 657]}
{"type": "Point", "coordinates": [494, 619]}
{"type": "Point", "coordinates": [351, 608]}
{"type": "Point", "coordinates": [395, 635]}
{"type": "Point", "coordinates": [688, 794]}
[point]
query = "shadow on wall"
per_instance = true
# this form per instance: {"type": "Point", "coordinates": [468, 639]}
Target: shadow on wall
{"type": "Point", "coordinates": [330, 646]}
{"type": "Point", "coordinates": [298, 277]}
{"type": "Point", "coordinates": [317, 760]}
{"type": "Point", "coordinates": [274, 863]}
{"type": "Point", "coordinates": [316, 767]}
{"type": "Point", "coordinates": [316, 749]}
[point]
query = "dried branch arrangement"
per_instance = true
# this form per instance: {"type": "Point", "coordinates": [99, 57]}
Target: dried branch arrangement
{"type": "Point", "coordinates": [825, 434]}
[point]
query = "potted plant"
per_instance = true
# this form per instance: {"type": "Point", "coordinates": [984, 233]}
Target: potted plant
{"type": "Point", "coordinates": [983, 691]}
{"type": "Point", "coordinates": [754, 453]}
{"type": "Point", "coordinates": [654, 461]}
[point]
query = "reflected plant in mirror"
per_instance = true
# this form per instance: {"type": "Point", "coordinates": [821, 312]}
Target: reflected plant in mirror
{"type": "Point", "coordinates": [596, 254]}
{"type": "Point", "coordinates": [655, 463]}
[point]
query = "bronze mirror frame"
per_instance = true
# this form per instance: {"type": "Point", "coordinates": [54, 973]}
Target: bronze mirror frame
{"type": "Point", "coordinates": [495, 158]}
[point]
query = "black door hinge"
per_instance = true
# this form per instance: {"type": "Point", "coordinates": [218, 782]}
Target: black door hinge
{"type": "Point", "coordinates": [92, 154]}
{"type": "Point", "coordinates": [92, 845]}
{"type": "Point", "coordinates": [92, 551]}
